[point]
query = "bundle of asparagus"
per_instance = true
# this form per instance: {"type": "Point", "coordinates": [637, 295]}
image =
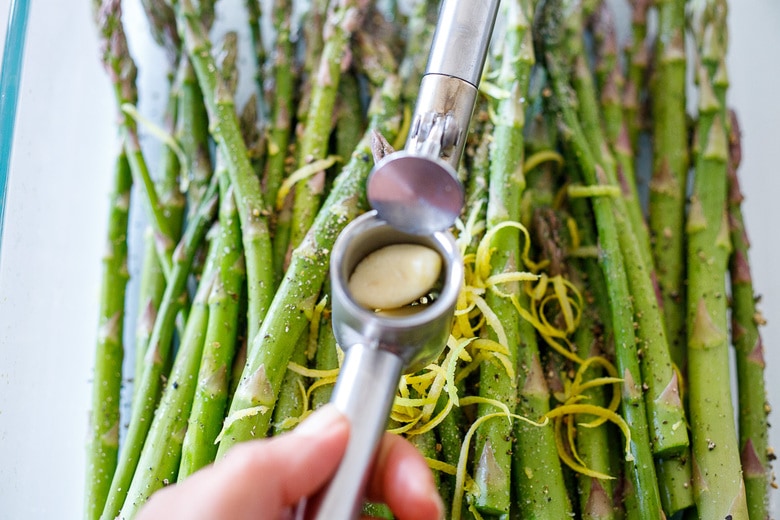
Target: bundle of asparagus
{"type": "Point", "coordinates": [594, 398]}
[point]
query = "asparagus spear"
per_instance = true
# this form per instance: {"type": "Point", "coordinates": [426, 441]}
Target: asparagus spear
{"type": "Point", "coordinates": [211, 392]}
{"type": "Point", "coordinates": [327, 356]}
{"type": "Point", "coordinates": [103, 439]}
{"type": "Point", "coordinates": [282, 106]}
{"type": "Point", "coordinates": [637, 59]}
{"type": "Point", "coordinates": [193, 135]}
{"type": "Point", "coordinates": [121, 70]}
{"type": "Point", "coordinates": [159, 459]}
{"type": "Point", "coordinates": [593, 444]}
{"type": "Point", "coordinates": [290, 403]}
{"type": "Point", "coordinates": [640, 469]}
{"type": "Point", "coordinates": [745, 322]}
{"type": "Point", "coordinates": [717, 476]}
{"type": "Point", "coordinates": [538, 477]}
{"type": "Point", "coordinates": [152, 274]}
{"type": "Point", "coordinates": [152, 285]}
{"type": "Point", "coordinates": [592, 335]}
{"type": "Point", "coordinates": [313, 24]}
{"type": "Point", "coordinates": [271, 349]}
{"type": "Point", "coordinates": [343, 18]}
{"type": "Point", "coordinates": [249, 198]}
{"type": "Point", "coordinates": [254, 10]}
{"type": "Point", "coordinates": [670, 167]}
{"type": "Point", "coordinates": [611, 82]}
{"type": "Point", "coordinates": [163, 25]}
{"type": "Point", "coordinates": [667, 418]}
{"type": "Point", "coordinates": [157, 355]}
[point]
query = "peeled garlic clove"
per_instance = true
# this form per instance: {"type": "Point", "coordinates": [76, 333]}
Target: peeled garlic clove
{"type": "Point", "coordinates": [394, 276]}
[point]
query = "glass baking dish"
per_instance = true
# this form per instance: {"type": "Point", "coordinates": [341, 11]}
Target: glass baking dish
{"type": "Point", "coordinates": [60, 154]}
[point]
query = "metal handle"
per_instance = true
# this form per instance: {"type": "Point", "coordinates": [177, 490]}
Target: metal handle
{"type": "Point", "coordinates": [364, 392]}
{"type": "Point", "coordinates": [462, 38]}
{"type": "Point", "coordinates": [448, 90]}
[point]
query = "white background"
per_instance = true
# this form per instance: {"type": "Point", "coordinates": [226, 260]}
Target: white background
{"type": "Point", "coordinates": [56, 211]}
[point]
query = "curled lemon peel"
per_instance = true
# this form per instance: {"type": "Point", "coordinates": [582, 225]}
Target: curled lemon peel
{"type": "Point", "coordinates": [312, 372]}
{"type": "Point", "coordinates": [237, 416]}
{"type": "Point", "coordinates": [570, 461]}
{"type": "Point", "coordinates": [460, 475]}
{"type": "Point", "coordinates": [163, 136]}
{"type": "Point", "coordinates": [541, 157]}
{"type": "Point", "coordinates": [403, 131]}
{"type": "Point", "coordinates": [325, 381]}
{"type": "Point", "coordinates": [301, 174]}
{"type": "Point", "coordinates": [567, 409]}
{"type": "Point", "coordinates": [314, 327]}
{"type": "Point", "coordinates": [574, 233]}
{"type": "Point", "coordinates": [575, 191]}
{"type": "Point", "coordinates": [493, 91]}
{"type": "Point", "coordinates": [290, 422]}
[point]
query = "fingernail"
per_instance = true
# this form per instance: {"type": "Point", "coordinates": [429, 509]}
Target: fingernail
{"type": "Point", "coordinates": [319, 421]}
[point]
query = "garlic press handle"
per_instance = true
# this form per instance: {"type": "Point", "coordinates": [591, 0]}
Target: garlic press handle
{"type": "Point", "coordinates": [364, 393]}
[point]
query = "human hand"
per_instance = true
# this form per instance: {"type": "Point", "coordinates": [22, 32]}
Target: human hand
{"type": "Point", "coordinates": [265, 479]}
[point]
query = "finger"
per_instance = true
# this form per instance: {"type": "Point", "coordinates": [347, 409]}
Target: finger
{"type": "Point", "coordinates": [258, 479]}
{"type": "Point", "coordinates": [294, 465]}
{"type": "Point", "coordinates": [403, 480]}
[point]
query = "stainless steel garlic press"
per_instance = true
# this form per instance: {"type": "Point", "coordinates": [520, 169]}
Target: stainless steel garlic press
{"type": "Point", "coordinates": [416, 197]}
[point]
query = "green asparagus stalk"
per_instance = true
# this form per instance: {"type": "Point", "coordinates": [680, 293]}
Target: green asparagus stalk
{"type": "Point", "coordinates": [249, 199]}
{"type": "Point", "coordinates": [150, 293]}
{"type": "Point", "coordinates": [159, 460]}
{"type": "Point", "coordinates": [270, 350]}
{"type": "Point", "coordinates": [343, 18]}
{"type": "Point", "coordinates": [593, 444]}
{"type": "Point", "coordinates": [745, 322]}
{"type": "Point", "coordinates": [493, 439]}
{"type": "Point", "coordinates": [611, 82]}
{"type": "Point", "coordinates": [670, 168]}
{"type": "Point", "coordinates": [211, 393]}
{"type": "Point", "coordinates": [103, 439]}
{"type": "Point", "coordinates": [157, 356]}
{"type": "Point", "coordinates": [420, 27]}
{"type": "Point", "coordinates": [592, 334]}
{"type": "Point", "coordinates": [539, 483]}
{"type": "Point", "coordinates": [666, 415]}
{"type": "Point", "coordinates": [375, 58]}
{"type": "Point", "coordinates": [282, 106]}
{"type": "Point", "coordinates": [717, 475]}
{"type": "Point", "coordinates": [152, 275]}
{"type": "Point", "coordinates": [350, 125]}
{"type": "Point", "coordinates": [637, 61]}
{"type": "Point", "coordinates": [121, 70]}
{"type": "Point", "coordinates": [254, 10]}
{"type": "Point", "coordinates": [640, 469]}
{"type": "Point", "coordinates": [162, 23]}
{"type": "Point", "coordinates": [192, 134]}
{"type": "Point", "coordinates": [313, 36]}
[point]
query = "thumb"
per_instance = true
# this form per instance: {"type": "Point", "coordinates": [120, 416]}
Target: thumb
{"type": "Point", "coordinates": [259, 479]}
{"type": "Point", "coordinates": [294, 465]}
